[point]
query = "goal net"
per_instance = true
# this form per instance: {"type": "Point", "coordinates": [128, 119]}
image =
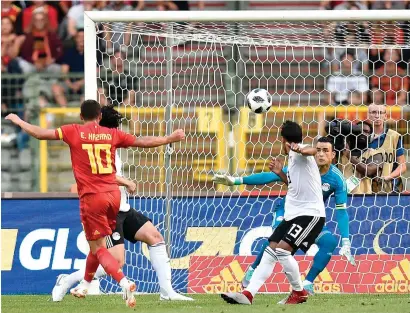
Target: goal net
{"type": "Point", "coordinates": [171, 72]}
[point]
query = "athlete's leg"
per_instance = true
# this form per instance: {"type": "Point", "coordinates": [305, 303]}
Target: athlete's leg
{"type": "Point", "coordinates": [149, 234]}
{"type": "Point", "coordinates": [160, 261]}
{"type": "Point", "coordinates": [327, 243]}
{"type": "Point", "coordinates": [278, 212]}
{"type": "Point", "coordinates": [265, 268]}
{"type": "Point", "coordinates": [299, 232]}
{"type": "Point", "coordinates": [99, 220]}
{"type": "Point", "coordinates": [98, 216]}
{"type": "Point", "coordinates": [249, 273]}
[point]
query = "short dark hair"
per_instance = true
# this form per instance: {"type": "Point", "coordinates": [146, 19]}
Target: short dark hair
{"type": "Point", "coordinates": [292, 132]}
{"type": "Point", "coordinates": [366, 123]}
{"type": "Point", "coordinates": [111, 118]}
{"type": "Point", "coordinates": [90, 110]}
{"type": "Point", "coordinates": [326, 139]}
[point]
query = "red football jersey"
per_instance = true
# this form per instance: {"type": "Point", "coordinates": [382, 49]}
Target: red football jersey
{"type": "Point", "coordinates": [92, 150]}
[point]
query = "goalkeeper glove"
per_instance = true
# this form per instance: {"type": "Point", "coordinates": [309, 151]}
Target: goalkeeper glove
{"type": "Point", "coordinates": [227, 180]}
{"type": "Point", "coordinates": [345, 251]}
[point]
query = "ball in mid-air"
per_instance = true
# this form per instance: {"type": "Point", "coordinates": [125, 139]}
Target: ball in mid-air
{"type": "Point", "coordinates": [259, 100]}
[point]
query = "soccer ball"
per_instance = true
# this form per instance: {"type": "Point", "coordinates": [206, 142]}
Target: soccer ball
{"type": "Point", "coordinates": [259, 100]}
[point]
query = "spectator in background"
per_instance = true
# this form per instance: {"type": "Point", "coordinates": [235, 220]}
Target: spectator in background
{"type": "Point", "coordinates": [347, 86]}
{"type": "Point", "coordinates": [352, 32]}
{"type": "Point", "coordinates": [50, 12]}
{"type": "Point", "coordinates": [390, 84]}
{"type": "Point", "coordinates": [348, 34]}
{"type": "Point", "coordinates": [11, 96]}
{"type": "Point", "coordinates": [173, 6]}
{"type": "Point", "coordinates": [360, 63]}
{"type": "Point", "coordinates": [356, 164]}
{"type": "Point", "coordinates": [72, 62]}
{"type": "Point", "coordinates": [41, 48]}
{"type": "Point", "coordinates": [115, 37]}
{"type": "Point", "coordinates": [9, 46]}
{"type": "Point", "coordinates": [388, 144]}
{"type": "Point", "coordinates": [76, 16]}
{"type": "Point", "coordinates": [118, 80]}
{"type": "Point", "coordinates": [329, 4]}
{"type": "Point", "coordinates": [349, 5]}
{"type": "Point", "coordinates": [388, 5]}
{"type": "Point", "coordinates": [65, 6]}
{"type": "Point", "coordinates": [10, 10]}
{"type": "Point", "coordinates": [177, 5]}
{"type": "Point", "coordinates": [387, 32]}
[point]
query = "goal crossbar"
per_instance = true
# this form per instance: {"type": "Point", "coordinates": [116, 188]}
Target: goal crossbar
{"type": "Point", "coordinates": [249, 16]}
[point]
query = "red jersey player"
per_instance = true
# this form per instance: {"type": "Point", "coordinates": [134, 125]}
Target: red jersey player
{"type": "Point", "coordinates": [92, 150]}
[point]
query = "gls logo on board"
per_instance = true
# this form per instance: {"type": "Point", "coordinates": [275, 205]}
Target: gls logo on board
{"type": "Point", "coordinates": [41, 249]}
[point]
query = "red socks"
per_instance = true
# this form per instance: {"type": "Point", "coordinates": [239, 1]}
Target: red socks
{"type": "Point", "coordinates": [109, 263]}
{"type": "Point", "coordinates": [91, 266]}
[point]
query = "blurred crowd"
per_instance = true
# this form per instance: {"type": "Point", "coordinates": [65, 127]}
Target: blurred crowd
{"type": "Point", "coordinates": [43, 41]}
{"type": "Point", "coordinates": [364, 76]}
{"type": "Point", "coordinates": [370, 155]}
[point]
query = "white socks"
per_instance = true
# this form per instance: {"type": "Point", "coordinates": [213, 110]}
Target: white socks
{"type": "Point", "coordinates": [161, 264]}
{"type": "Point", "coordinates": [77, 276]}
{"type": "Point", "coordinates": [263, 271]}
{"type": "Point", "coordinates": [265, 268]}
{"type": "Point", "coordinates": [290, 267]}
{"type": "Point", "coordinates": [159, 260]}
{"type": "Point", "coordinates": [124, 282]}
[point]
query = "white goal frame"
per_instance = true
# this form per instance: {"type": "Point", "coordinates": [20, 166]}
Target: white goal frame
{"type": "Point", "coordinates": [93, 17]}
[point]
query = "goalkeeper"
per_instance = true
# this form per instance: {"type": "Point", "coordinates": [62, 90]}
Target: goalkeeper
{"type": "Point", "coordinates": [132, 226]}
{"type": "Point", "coordinates": [332, 183]}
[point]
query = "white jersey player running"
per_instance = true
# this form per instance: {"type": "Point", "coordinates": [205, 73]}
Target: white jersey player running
{"type": "Point", "coordinates": [132, 226]}
{"type": "Point", "coordinates": [303, 220]}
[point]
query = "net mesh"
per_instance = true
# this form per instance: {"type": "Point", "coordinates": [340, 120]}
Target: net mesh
{"type": "Point", "coordinates": [196, 77]}
{"type": "Point", "coordinates": [315, 34]}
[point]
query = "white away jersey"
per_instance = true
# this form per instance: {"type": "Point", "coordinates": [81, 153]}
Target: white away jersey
{"type": "Point", "coordinates": [124, 206]}
{"type": "Point", "coordinates": [304, 196]}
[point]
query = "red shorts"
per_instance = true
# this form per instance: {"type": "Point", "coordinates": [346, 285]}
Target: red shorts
{"type": "Point", "coordinates": [98, 212]}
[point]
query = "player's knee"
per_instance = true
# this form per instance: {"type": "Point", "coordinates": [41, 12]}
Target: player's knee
{"type": "Point", "coordinates": [154, 237]}
{"type": "Point", "coordinates": [328, 242]}
{"type": "Point", "coordinates": [96, 245]}
{"type": "Point", "coordinates": [149, 234]}
{"type": "Point", "coordinates": [273, 245]}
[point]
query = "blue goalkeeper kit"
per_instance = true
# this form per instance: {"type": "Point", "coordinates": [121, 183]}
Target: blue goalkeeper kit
{"type": "Point", "coordinates": [332, 183]}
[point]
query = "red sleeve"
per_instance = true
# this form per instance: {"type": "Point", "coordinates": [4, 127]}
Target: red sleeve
{"type": "Point", "coordinates": [26, 19]}
{"type": "Point", "coordinates": [64, 133]}
{"type": "Point", "coordinates": [124, 140]}
{"type": "Point", "coordinates": [53, 16]}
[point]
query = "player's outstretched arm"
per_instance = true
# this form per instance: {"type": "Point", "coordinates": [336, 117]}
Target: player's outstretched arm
{"type": "Point", "coordinates": [129, 184]}
{"type": "Point", "coordinates": [153, 141]}
{"type": "Point", "coordinates": [262, 178]}
{"type": "Point", "coordinates": [33, 130]}
{"type": "Point", "coordinates": [305, 151]}
{"type": "Point", "coordinates": [276, 166]}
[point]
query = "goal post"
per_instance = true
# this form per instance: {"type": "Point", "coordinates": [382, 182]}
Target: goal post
{"type": "Point", "coordinates": [193, 71]}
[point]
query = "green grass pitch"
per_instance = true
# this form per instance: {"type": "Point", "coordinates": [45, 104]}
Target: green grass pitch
{"type": "Point", "coordinates": [208, 303]}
